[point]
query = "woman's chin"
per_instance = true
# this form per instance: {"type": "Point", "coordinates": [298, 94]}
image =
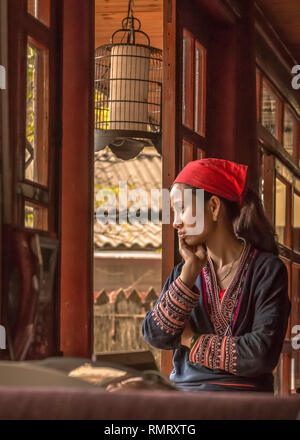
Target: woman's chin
{"type": "Point", "coordinates": [193, 240]}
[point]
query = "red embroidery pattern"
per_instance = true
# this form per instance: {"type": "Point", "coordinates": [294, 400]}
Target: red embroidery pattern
{"type": "Point", "coordinates": [174, 307]}
{"type": "Point", "coordinates": [218, 351]}
{"type": "Point", "coordinates": [215, 352]}
{"type": "Point", "coordinates": [222, 312]}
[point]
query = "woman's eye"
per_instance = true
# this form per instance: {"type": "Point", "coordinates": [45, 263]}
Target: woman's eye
{"type": "Point", "coordinates": [178, 209]}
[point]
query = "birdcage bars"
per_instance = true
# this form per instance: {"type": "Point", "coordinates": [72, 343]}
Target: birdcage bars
{"type": "Point", "coordinates": [128, 90]}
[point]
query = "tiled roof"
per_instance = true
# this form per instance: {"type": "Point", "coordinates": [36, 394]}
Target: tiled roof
{"type": "Point", "coordinates": [143, 172]}
{"type": "Point", "coordinates": [128, 236]}
{"type": "Point", "coordinates": [103, 296]}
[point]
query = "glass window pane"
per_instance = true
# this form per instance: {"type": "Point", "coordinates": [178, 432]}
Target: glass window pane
{"type": "Point", "coordinates": [36, 217]}
{"type": "Point", "coordinates": [269, 114]}
{"type": "Point", "coordinates": [280, 210]}
{"type": "Point", "coordinates": [40, 9]}
{"type": "Point", "coordinates": [289, 131]}
{"type": "Point", "coordinates": [188, 43]}
{"type": "Point", "coordinates": [284, 171]}
{"type": "Point", "coordinates": [296, 222]}
{"type": "Point", "coordinates": [37, 114]}
{"type": "Point", "coordinates": [258, 86]}
{"type": "Point", "coordinates": [187, 152]}
{"type": "Point", "coordinates": [200, 88]}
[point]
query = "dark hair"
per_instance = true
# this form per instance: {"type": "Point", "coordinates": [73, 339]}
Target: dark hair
{"type": "Point", "coordinates": [249, 222]}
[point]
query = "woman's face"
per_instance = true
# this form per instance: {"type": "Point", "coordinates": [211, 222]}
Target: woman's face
{"type": "Point", "coordinates": [184, 209]}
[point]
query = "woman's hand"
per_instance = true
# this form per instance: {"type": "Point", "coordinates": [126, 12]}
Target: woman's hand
{"type": "Point", "coordinates": [195, 258]}
{"type": "Point", "coordinates": [196, 255]}
{"type": "Point", "coordinates": [188, 333]}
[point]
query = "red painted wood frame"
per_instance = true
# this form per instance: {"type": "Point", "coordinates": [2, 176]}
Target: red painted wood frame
{"type": "Point", "coordinates": [70, 169]}
{"type": "Point", "coordinates": [77, 199]}
{"type": "Point", "coordinates": [283, 103]}
{"type": "Point", "coordinates": [23, 28]}
{"type": "Point", "coordinates": [191, 82]}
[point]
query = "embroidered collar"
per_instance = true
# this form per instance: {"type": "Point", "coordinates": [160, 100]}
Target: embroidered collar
{"type": "Point", "coordinates": [222, 313]}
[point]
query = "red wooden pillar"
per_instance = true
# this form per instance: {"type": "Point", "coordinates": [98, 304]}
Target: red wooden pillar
{"type": "Point", "coordinates": [77, 179]}
{"type": "Point", "coordinates": [169, 142]}
{"type": "Point", "coordinates": [246, 145]}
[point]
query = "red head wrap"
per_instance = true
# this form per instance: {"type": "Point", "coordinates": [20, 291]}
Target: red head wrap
{"type": "Point", "coordinates": [218, 176]}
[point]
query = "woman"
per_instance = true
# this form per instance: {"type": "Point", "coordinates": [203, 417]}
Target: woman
{"type": "Point", "coordinates": [224, 309]}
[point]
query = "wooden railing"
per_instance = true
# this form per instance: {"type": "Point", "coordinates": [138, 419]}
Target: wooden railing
{"type": "Point", "coordinates": [118, 318]}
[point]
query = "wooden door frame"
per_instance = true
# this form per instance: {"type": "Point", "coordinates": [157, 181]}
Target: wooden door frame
{"type": "Point", "coordinates": [77, 198]}
{"type": "Point", "coordinates": [20, 25]}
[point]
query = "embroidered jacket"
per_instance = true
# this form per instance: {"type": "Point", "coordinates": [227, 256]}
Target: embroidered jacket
{"type": "Point", "coordinates": [240, 337]}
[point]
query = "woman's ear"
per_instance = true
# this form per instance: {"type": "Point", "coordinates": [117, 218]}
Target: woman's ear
{"type": "Point", "coordinates": [215, 205]}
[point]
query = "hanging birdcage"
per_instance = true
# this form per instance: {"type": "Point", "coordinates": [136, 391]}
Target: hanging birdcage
{"type": "Point", "coordinates": [128, 92]}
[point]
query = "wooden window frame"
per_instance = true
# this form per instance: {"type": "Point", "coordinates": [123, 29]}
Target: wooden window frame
{"type": "Point", "coordinates": [44, 5]}
{"type": "Point", "coordinates": [21, 26]}
{"type": "Point", "coordinates": [279, 112]}
{"type": "Point", "coordinates": [258, 94]}
{"type": "Point", "coordinates": [288, 209]}
{"type": "Point", "coordinates": [297, 192]}
{"type": "Point", "coordinates": [188, 79]}
{"type": "Point", "coordinates": [41, 109]}
{"type": "Point", "coordinates": [269, 141]}
{"type": "Point", "coordinates": [200, 103]}
{"type": "Point", "coordinates": [186, 131]}
{"type": "Point", "coordinates": [296, 146]}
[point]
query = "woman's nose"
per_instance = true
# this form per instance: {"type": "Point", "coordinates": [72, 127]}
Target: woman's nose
{"type": "Point", "coordinates": [177, 219]}
{"type": "Point", "coordinates": [176, 224]}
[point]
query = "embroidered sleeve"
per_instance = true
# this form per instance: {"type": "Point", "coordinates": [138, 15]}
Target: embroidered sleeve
{"type": "Point", "coordinates": [215, 352]}
{"type": "Point", "coordinates": [175, 305]}
{"type": "Point", "coordinates": [257, 351]}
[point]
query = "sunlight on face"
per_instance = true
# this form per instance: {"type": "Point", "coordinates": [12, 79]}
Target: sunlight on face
{"type": "Point", "coordinates": [188, 209]}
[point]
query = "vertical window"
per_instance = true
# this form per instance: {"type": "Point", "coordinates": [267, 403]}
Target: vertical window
{"type": "Point", "coordinates": [258, 95]}
{"type": "Point", "coordinates": [40, 9]}
{"type": "Point", "coordinates": [289, 131]}
{"type": "Point", "coordinates": [187, 152]}
{"type": "Point", "coordinates": [270, 110]}
{"type": "Point", "coordinates": [193, 84]}
{"type": "Point", "coordinates": [36, 102]}
{"type": "Point", "coordinates": [188, 80]}
{"type": "Point", "coordinates": [296, 222]}
{"type": "Point", "coordinates": [280, 210]}
{"type": "Point", "coordinates": [200, 88]}
{"type": "Point", "coordinates": [37, 113]}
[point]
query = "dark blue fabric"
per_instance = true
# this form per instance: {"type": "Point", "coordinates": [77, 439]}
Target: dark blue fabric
{"type": "Point", "coordinates": [261, 326]}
